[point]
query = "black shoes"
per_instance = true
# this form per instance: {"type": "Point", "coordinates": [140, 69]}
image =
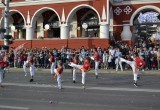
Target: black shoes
{"type": "Point", "coordinates": [74, 81]}
{"type": "Point", "coordinates": [135, 84]}
{"type": "Point", "coordinates": [31, 80]}
{"type": "Point", "coordinates": [1, 86]}
{"type": "Point", "coordinates": [96, 76]}
{"type": "Point", "coordinates": [83, 86]}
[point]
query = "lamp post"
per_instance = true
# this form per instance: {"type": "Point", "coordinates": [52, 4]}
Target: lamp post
{"type": "Point", "coordinates": [6, 20]}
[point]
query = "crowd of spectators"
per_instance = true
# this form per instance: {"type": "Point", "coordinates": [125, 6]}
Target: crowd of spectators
{"type": "Point", "coordinates": [150, 53]}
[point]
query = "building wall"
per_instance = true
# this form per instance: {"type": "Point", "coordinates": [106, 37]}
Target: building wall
{"type": "Point", "coordinates": [72, 43]}
{"type": "Point", "coordinates": [124, 16]}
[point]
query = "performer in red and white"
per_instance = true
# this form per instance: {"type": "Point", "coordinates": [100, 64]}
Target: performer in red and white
{"type": "Point", "coordinates": [58, 74]}
{"type": "Point", "coordinates": [3, 64]}
{"type": "Point", "coordinates": [25, 66]}
{"type": "Point", "coordinates": [97, 61]}
{"type": "Point", "coordinates": [52, 62]}
{"type": "Point", "coordinates": [75, 61]}
{"type": "Point", "coordinates": [84, 68]}
{"type": "Point", "coordinates": [136, 64]}
{"type": "Point", "coordinates": [31, 63]}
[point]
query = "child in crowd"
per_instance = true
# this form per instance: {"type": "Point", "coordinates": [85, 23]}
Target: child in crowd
{"type": "Point", "coordinates": [105, 60]}
{"type": "Point", "coordinates": [110, 61]}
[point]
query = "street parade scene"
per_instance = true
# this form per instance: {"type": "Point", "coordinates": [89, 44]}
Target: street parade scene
{"type": "Point", "coordinates": [80, 55]}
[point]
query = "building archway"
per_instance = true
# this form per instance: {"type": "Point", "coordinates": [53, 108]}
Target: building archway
{"type": "Point", "coordinates": [142, 8]}
{"type": "Point", "coordinates": [17, 20]}
{"type": "Point", "coordinates": [80, 15]}
{"type": "Point", "coordinates": [145, 25]}
{"type": "Point", "coordinates": [46, 16]}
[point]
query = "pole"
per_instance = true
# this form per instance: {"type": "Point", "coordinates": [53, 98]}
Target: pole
{"type": "Point", "coordinates": [6, 21]}
{"type": "Point", "coordinates": [31, 44]}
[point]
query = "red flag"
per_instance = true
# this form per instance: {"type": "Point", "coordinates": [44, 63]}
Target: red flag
{"type": "Point", "coordinates": [18, 48]}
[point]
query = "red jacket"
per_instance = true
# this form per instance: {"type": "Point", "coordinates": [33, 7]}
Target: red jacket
{"type": "Point", "coordinates": [86, 66]}
{"type": "Point", "coordinates": [31, 61]}
{"type": "Point", "coordinates": [59, 70]}
{"type": "Point", "coordinates": [96, 56]}
{"type": "Point", "coordinates": [51, 59]}
{"type": "Point", "coordinates": [140, 62]}
{"type": "Point", "coordinates": [4, 64]}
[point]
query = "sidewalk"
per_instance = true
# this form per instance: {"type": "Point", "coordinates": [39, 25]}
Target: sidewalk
{"type": "Point", "coordinates": [103, 71]}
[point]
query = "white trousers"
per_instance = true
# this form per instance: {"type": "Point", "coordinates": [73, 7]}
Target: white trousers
{"type": "Point", "coordinates": [52, 67]}
{"type": "Point", "coordinates": [75, 65]}
{"type": "Point", "coordinates": [96, 67]}
{"type": "Point", "coordinates": [83, 77]}
{"type": "Point", "coordinates": [79, 67]}
{"type": "Point", "coordinates": [133, 66]}
{"type": "Point", "coordinates": [59, 81]}
{"type": "Point", "coordinates": [74, 74]}
{"type": "Point", "coordinates": [1, 75]}
{"type": "Point", "coordinates": [25, 69]}
{"type": "Point", "coordinates": [32, 70]}
{"type": "Point", "coordinates": [136, 75]}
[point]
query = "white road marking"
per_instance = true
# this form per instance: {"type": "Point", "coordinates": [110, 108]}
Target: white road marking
{"type": "Point", "coordinates": [67, 103]}
{"type": "Point", "coordinates": [87, 88]}
{"type": "Point", "coordinates": [13, 107]}
{"type": "Point", "coordinates": [108, 106]}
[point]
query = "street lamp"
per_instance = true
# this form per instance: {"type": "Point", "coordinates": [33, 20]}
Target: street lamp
{"type": "Point", "coordinates": [85, 26]}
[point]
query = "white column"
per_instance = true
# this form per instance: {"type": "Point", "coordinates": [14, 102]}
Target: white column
{"type": "Point", "coordinates": [64, 31]}
{"type": "Point", "coordinates": [20, 34]}
{"type": "Point", "coordinates": [29, 33]}
{"type": "Point", "coordinates": [104, 30]}
{"type": "Point", "coordinates": [126, 33]}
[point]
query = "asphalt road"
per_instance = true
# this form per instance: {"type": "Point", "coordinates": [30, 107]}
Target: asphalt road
{"type": "Point", "coordinates": [112, 91]}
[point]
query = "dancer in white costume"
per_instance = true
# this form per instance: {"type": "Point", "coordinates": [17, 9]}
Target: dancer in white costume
{"type": "Point", "coordinates": [84, 68]}
{"type": "Point", "coordinates": [136, 64]}
{"type": "Point", "coordinates": [97, 62]}
{"type": "Point", "coordinates": [52, 62]}
{"type": "Point", "coordinates": [31, 62]}
{"type": "Point", "coordinates": [58, 74]}
{"type": "Point", "coordinates": [25, 67]}
{"type": "Point", "coordinates": [75, 61]}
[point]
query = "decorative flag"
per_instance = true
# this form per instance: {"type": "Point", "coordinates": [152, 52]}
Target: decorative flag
{"type": "Point", "coordinates": [18, 48]}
